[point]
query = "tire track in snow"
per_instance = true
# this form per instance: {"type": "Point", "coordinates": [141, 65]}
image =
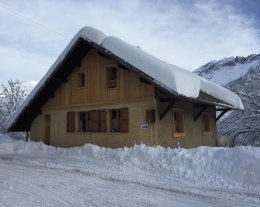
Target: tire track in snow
{"type": "Point", "coordinates": [181, 191]}
{"type": "Point", "coordinates": [83, 171]}
{"type": "Point", "coordinates": [32, 189]}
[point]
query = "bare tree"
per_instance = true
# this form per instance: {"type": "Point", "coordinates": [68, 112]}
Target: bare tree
{"type": "Point", "coordinates": [244, 126]}
{"type": "Point", "coordinates": [11, 97]}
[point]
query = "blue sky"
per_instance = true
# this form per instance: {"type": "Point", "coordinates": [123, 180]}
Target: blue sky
{"type": "Point", "coordinates": [186, 33]}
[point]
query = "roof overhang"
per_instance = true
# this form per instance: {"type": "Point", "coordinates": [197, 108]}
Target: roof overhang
{"type": "Point", "coordinates": [71, 58]}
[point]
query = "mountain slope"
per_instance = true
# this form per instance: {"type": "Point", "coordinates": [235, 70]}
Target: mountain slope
{"type": "Point", "coordinates": [228, 69]}
{"type": "Point", "coordinates": [242, 76]}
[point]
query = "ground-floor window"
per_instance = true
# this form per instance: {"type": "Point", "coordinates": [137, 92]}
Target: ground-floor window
{"type": "Point", "coordinates": [178, 123]}
{"type": "Point", "coordinates": [119, 121]}
{"type": "Point", "coordinates": [96, 121]}
{"type": "Point", "coordinates": [92, 121]}
{"type": "Point", "coordinates": [206, 128]}
{"type": "Point", "coordinates": [84, 121]}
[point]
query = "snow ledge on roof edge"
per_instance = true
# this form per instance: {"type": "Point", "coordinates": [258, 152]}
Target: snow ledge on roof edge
{"type": "Point", "coordinates": [169, 76]}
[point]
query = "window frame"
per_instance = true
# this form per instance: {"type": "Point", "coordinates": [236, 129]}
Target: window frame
{"type": "Point", "coordinates": [120, 120]}
{"type": "Point", "coordinates": [87, 121]}
{"type": "Point", "coordinates": [93, 123]}
{"type": "Point", "coordinates": [108, 80]}
{"type": "Point", "coordinates": [117, 120]}
{"type": "Point", "coordinates": [81, 79]}
{"type": "Point", "coordinates": [206, 133]}
{"type": "Point", "coordinates": [175, 133]}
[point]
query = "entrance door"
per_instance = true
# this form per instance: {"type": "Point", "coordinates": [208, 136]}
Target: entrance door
{"type": "Point", "coordinates": [47, 129]}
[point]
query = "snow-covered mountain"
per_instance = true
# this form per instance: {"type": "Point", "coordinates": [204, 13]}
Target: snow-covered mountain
{"type": "Point", "coordinates": [241, 75]}
{"type": "Point", "coordinates": [29, 85]}
{"type": "Point", "coordinates": [228, 69]}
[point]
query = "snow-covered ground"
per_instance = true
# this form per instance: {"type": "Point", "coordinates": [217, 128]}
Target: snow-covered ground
{"type": "Point", "coordinates": [33, 174]}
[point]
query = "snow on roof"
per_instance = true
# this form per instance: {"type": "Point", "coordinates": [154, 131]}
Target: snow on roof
{"type": "Point", "coordinates": [171, 77]}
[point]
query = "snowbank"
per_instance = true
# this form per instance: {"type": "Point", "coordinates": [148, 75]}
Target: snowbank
{"type": "Point", "coordinates": [224, 167]}
{"type": "Point", "coordinates": [5, 139]}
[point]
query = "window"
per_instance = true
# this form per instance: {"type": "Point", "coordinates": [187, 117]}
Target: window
{"type": "Point", "coordinates": [114, 120]}
{"type": "Point", "coordinates": [96, 121]}
{"type": "Point", "coordinates": [119, 121]}
{"type": "Point", "coordinates": [84, 121]}
{"type": "Point", "coordinates": [206, 129]}
{"type": "Point", "coordinates": [81, 79]}
{"type": "Point", "coordinates": [92, 121]}
{"type": "Point", "coordinates": [178, 123]}
{"type": "Point", "coordinates": [70, 121]}
{"type": "Point", "coordinates": [112, 77]}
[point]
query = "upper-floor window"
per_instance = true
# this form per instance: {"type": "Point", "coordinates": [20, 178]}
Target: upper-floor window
{"type": "Point", "coordinates": [112, 76]}
{"type": "Point", "coordinates": [178, 123]}
{"type": "Point", "coordinates": [206, 126]}
{"type": "Point", "coordinates": [80, 79]}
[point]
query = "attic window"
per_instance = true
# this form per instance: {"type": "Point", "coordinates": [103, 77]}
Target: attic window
{"type": "Point", "coordinates": [206, 129]}
{"type": "Point", "coordinates": [112, 77]}
{"type": "Point", "coordinates": [81, 79]}
{"type": "Point", "coordinates": [178, 123]}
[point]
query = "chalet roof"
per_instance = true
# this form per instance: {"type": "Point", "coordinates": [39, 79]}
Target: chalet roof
{"type": "Point", "coordinates": [173, 79]}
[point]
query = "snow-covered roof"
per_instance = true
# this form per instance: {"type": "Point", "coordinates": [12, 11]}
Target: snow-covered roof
{"type": "Point", "coordinates": [170, 77]}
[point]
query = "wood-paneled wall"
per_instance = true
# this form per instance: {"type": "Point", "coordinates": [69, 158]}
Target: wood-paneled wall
{"type": "Point", "coordinates": [95, 90]}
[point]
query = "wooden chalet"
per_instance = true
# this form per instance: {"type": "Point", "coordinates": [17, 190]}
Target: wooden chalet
{"type": "Point", "coordinates": [104, 91]}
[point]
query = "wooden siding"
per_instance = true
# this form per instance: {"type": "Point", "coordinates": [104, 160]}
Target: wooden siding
{"type": "Point", "coordinates": [95, 90]}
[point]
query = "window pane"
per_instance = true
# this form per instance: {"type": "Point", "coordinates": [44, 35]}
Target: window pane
{"type": "Point", "coordinates": [114, 120]}
{"type": "Point", "coordinates": [111, 77]}
{"type": "Point", "coordinates": [88, 121]}
{"type": "Point", "coordinates": [82, 122]}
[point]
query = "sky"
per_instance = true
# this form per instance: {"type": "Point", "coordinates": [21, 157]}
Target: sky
{"type": "Point", "coordinates": [186, 33]}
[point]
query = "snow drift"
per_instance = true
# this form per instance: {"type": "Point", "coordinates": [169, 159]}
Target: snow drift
{"type": "Point", "coordinates": [224, 167]}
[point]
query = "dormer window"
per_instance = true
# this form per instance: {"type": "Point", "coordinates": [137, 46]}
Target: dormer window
{"type": "Point", "coordinates": [112, 77]}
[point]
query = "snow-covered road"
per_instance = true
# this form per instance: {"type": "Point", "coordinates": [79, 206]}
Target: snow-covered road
{"type": "Point", "coordinates": [32, 174]}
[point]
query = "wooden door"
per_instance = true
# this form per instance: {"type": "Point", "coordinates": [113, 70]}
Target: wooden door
{"type": "Point", "coordinates": [47, 129]}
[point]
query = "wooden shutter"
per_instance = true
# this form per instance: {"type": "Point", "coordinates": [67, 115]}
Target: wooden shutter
{"type": "Point", "coordinates": [71, 121]}
{"type": "Point", "coordinates": [124, 120]}
{"type": "Point", "coordinates": [150, 116]}
{"type": "Point", "coordinates": [102, 121]}
{"type": "Point", "coordinates": [94, 120]}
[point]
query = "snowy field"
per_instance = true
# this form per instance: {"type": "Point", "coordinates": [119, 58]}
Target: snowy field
{"type": "Point", "coordinates": [33, 174]}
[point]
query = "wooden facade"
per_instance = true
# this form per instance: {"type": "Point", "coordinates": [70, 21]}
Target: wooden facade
{"type": "Point", "coordinates": [95, 89]}
{"type": "Point", "coordinates": [122, 110]}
